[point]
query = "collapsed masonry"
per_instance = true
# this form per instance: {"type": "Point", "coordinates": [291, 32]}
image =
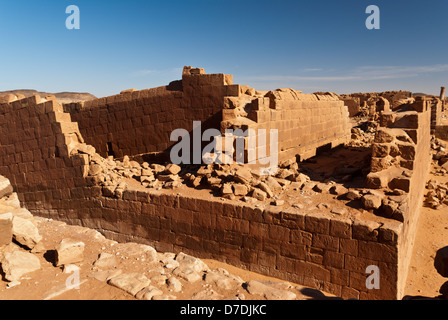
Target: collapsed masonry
{"type": "Point", "coordinates": [111, 183]}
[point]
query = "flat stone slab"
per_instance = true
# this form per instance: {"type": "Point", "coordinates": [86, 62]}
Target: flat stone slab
{"type": "Point", "coordinates": [69, 251]}
{"type": "Point", "coordinates": [132, 283]}
{"type": "Point", "coordinates": [25, 232]}
{"type": "Point", "coordinates": [17, 264]}
{"type": "Point", "coordinates": [270, 292]}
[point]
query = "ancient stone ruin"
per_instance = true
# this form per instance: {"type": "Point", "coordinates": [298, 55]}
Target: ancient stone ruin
{"type": "Point", "coordinates": [346, 196]}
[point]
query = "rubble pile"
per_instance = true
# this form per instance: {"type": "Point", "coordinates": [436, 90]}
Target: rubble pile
{"type": "Point", "coordinates": [230, 181]}
{"type": "Point", "coordinates": [363, 134]}
{"type": "Point", "coordinates": [439, 156]}
{"type": "Point", "coordinates": [436, 197]}
{"type": "Point", "coordinates": [17, 224]}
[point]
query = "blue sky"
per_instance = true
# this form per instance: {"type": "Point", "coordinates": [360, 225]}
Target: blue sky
{"type": "Point", "coordinates": [302, 44]}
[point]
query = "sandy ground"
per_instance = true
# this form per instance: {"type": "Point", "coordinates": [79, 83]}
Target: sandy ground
{"type": "Point", "coordinates": [432, 235]}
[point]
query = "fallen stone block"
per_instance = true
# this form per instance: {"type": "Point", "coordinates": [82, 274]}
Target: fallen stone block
{"type": "Point", "coordinates": [240, 189]}
{"type": "Point", "coordinates": [22, 213]}
{"type": "Point", "coordinates": [196, 264]}
{"type": "Point", "coordinates": [106, 275]}
{"type": "Point", "coordinates": [322, 187]}
{"type": "Point", "coordinates": [106, 261]}
{"type": "Point", "coordinates": [25, 232]}
{"type": "Point", "coordinates": [353, 195]}
{"type": "Point", "coordinates": [86, 148]}
{"type": "Point", "coordinates": [338, 190]}
{"type": "Point", "coordinates": [5, 187]}
{"type": "Point", "coordinates": [259, 194]}
{"type": "Point", "coordinates": [5, 228]}
{"type": "Point", "coordinates": [11, 200]}
{"type": "Point", "coordinates": [69, 251]}
{"type": "Point", "coordinates": [131, 283]}
{"type": "Point", "coordinates": [222, 279]}
{"type": "Point", "coordinates": [207, 295]}
{"type": "Point", "coordinates": [17, 264]}
{"type": "Point", "coordinates": [226, 189]}
{"type": "Point", "coordinates": [172, 168]}
{"type": "Point", "coordinates": [243, 175]}
{"type": "Point", "coordinates": [137, 250]}
{"type": "Point", "coordinates": [263, 186]}
{"type": "Point", "coordinates": [174, 284]}
{"type": "Point", "coordinates": [269, 292]}
{"type": "Point", "coordinates": [188, 274]}
{"type": "Point", "coordinates": [148, 293]}
{"type": "Point", "coordinates": [370, 201]}
{"type": "Point", "coordinates": [273, 183]}
{"type": "Point", "coordinates": [157, 168]}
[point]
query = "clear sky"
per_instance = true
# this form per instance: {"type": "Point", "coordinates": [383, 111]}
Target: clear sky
{"type": "Point", "coordinates": [308, 45]}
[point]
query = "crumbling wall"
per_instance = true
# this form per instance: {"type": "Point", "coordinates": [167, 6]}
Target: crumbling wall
{"type": "Point", "coordinates": [371, 103]}
{"type": "Point", "coordinates": [330, 253]}
{"type": "Point", "coordinates": [313, 249]}
{"type": "Point", "coordinates": [36, 141]}
{"type": "Point", "coordinates": [436, 113]}
{"type": "Point", "coordinates": [353, 105]}
{"type": "Point", "coordinates": [305, 122]}
{"type": "Point", "coordinates": [140, 122]}
{"type": "Point", "coordinates": [400, 167]}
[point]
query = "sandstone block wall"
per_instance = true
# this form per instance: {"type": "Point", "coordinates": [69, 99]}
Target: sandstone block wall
{"type": "Point", "coordinates": [436, 113]}
{"type": "Point", "coordinates": [43, 154]}
{"type": "Point", "coordinates": [353, 105]}
{"type": "Point", "coordinates": [140, 122]}
{"type": "Point", "coordinates": [328, 253]}
{"type": "Point", "coordinates": [441, 132]}
{"type": "Point", "coordinates": [401, 160]}
{"type": "Point", "coordinates": [305, 122]}
{"type": "Point", "coordinates": [36, 140]}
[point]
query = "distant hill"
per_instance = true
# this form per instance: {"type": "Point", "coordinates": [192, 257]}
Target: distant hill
{"type": "Point", "coordinates": [62, 97]}
{"type": "Point", "coordinates": [421, 94]}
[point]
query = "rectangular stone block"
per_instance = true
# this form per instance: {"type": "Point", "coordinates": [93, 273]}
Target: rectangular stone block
{"type": "Point", "coordinates": [5, 187]}
{"type": "Point", "coordinates": [333, 259]}
{"type": "Point", "coordinates": [5, 228]}
{"type": "Point", "coordinates": [378, 251]}
{"type": "Point", "coordinates": [325, 242]}
{"type": "Point", "coordinates": [341, 227]}
{"type": "Point", "coordinates": [317, 222]}
{"type": "Point", "coordinates": [348, 246]}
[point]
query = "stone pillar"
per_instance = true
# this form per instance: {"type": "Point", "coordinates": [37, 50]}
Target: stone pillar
{"type": "Point", "coordinates": [442, 97]}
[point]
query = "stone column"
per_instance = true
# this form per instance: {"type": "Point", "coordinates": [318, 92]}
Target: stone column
{"type": "Point", "coordinates": [442, 97]}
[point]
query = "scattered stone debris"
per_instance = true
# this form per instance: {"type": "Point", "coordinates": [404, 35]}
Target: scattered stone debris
{"type": "Point", "coordinates": [167, 275]}
{"type": "Point", "coordinates": [436, 196]}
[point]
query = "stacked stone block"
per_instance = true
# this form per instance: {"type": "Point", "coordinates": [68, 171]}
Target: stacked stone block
{"type": "Point", "coordinates": [401, 160]}
{"type": "Point", "coordinates": [305, 122]}
{"type": "Point", "coordinates": [140, 122]}
{"type": "Point", "coordinates": [43, 154]}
